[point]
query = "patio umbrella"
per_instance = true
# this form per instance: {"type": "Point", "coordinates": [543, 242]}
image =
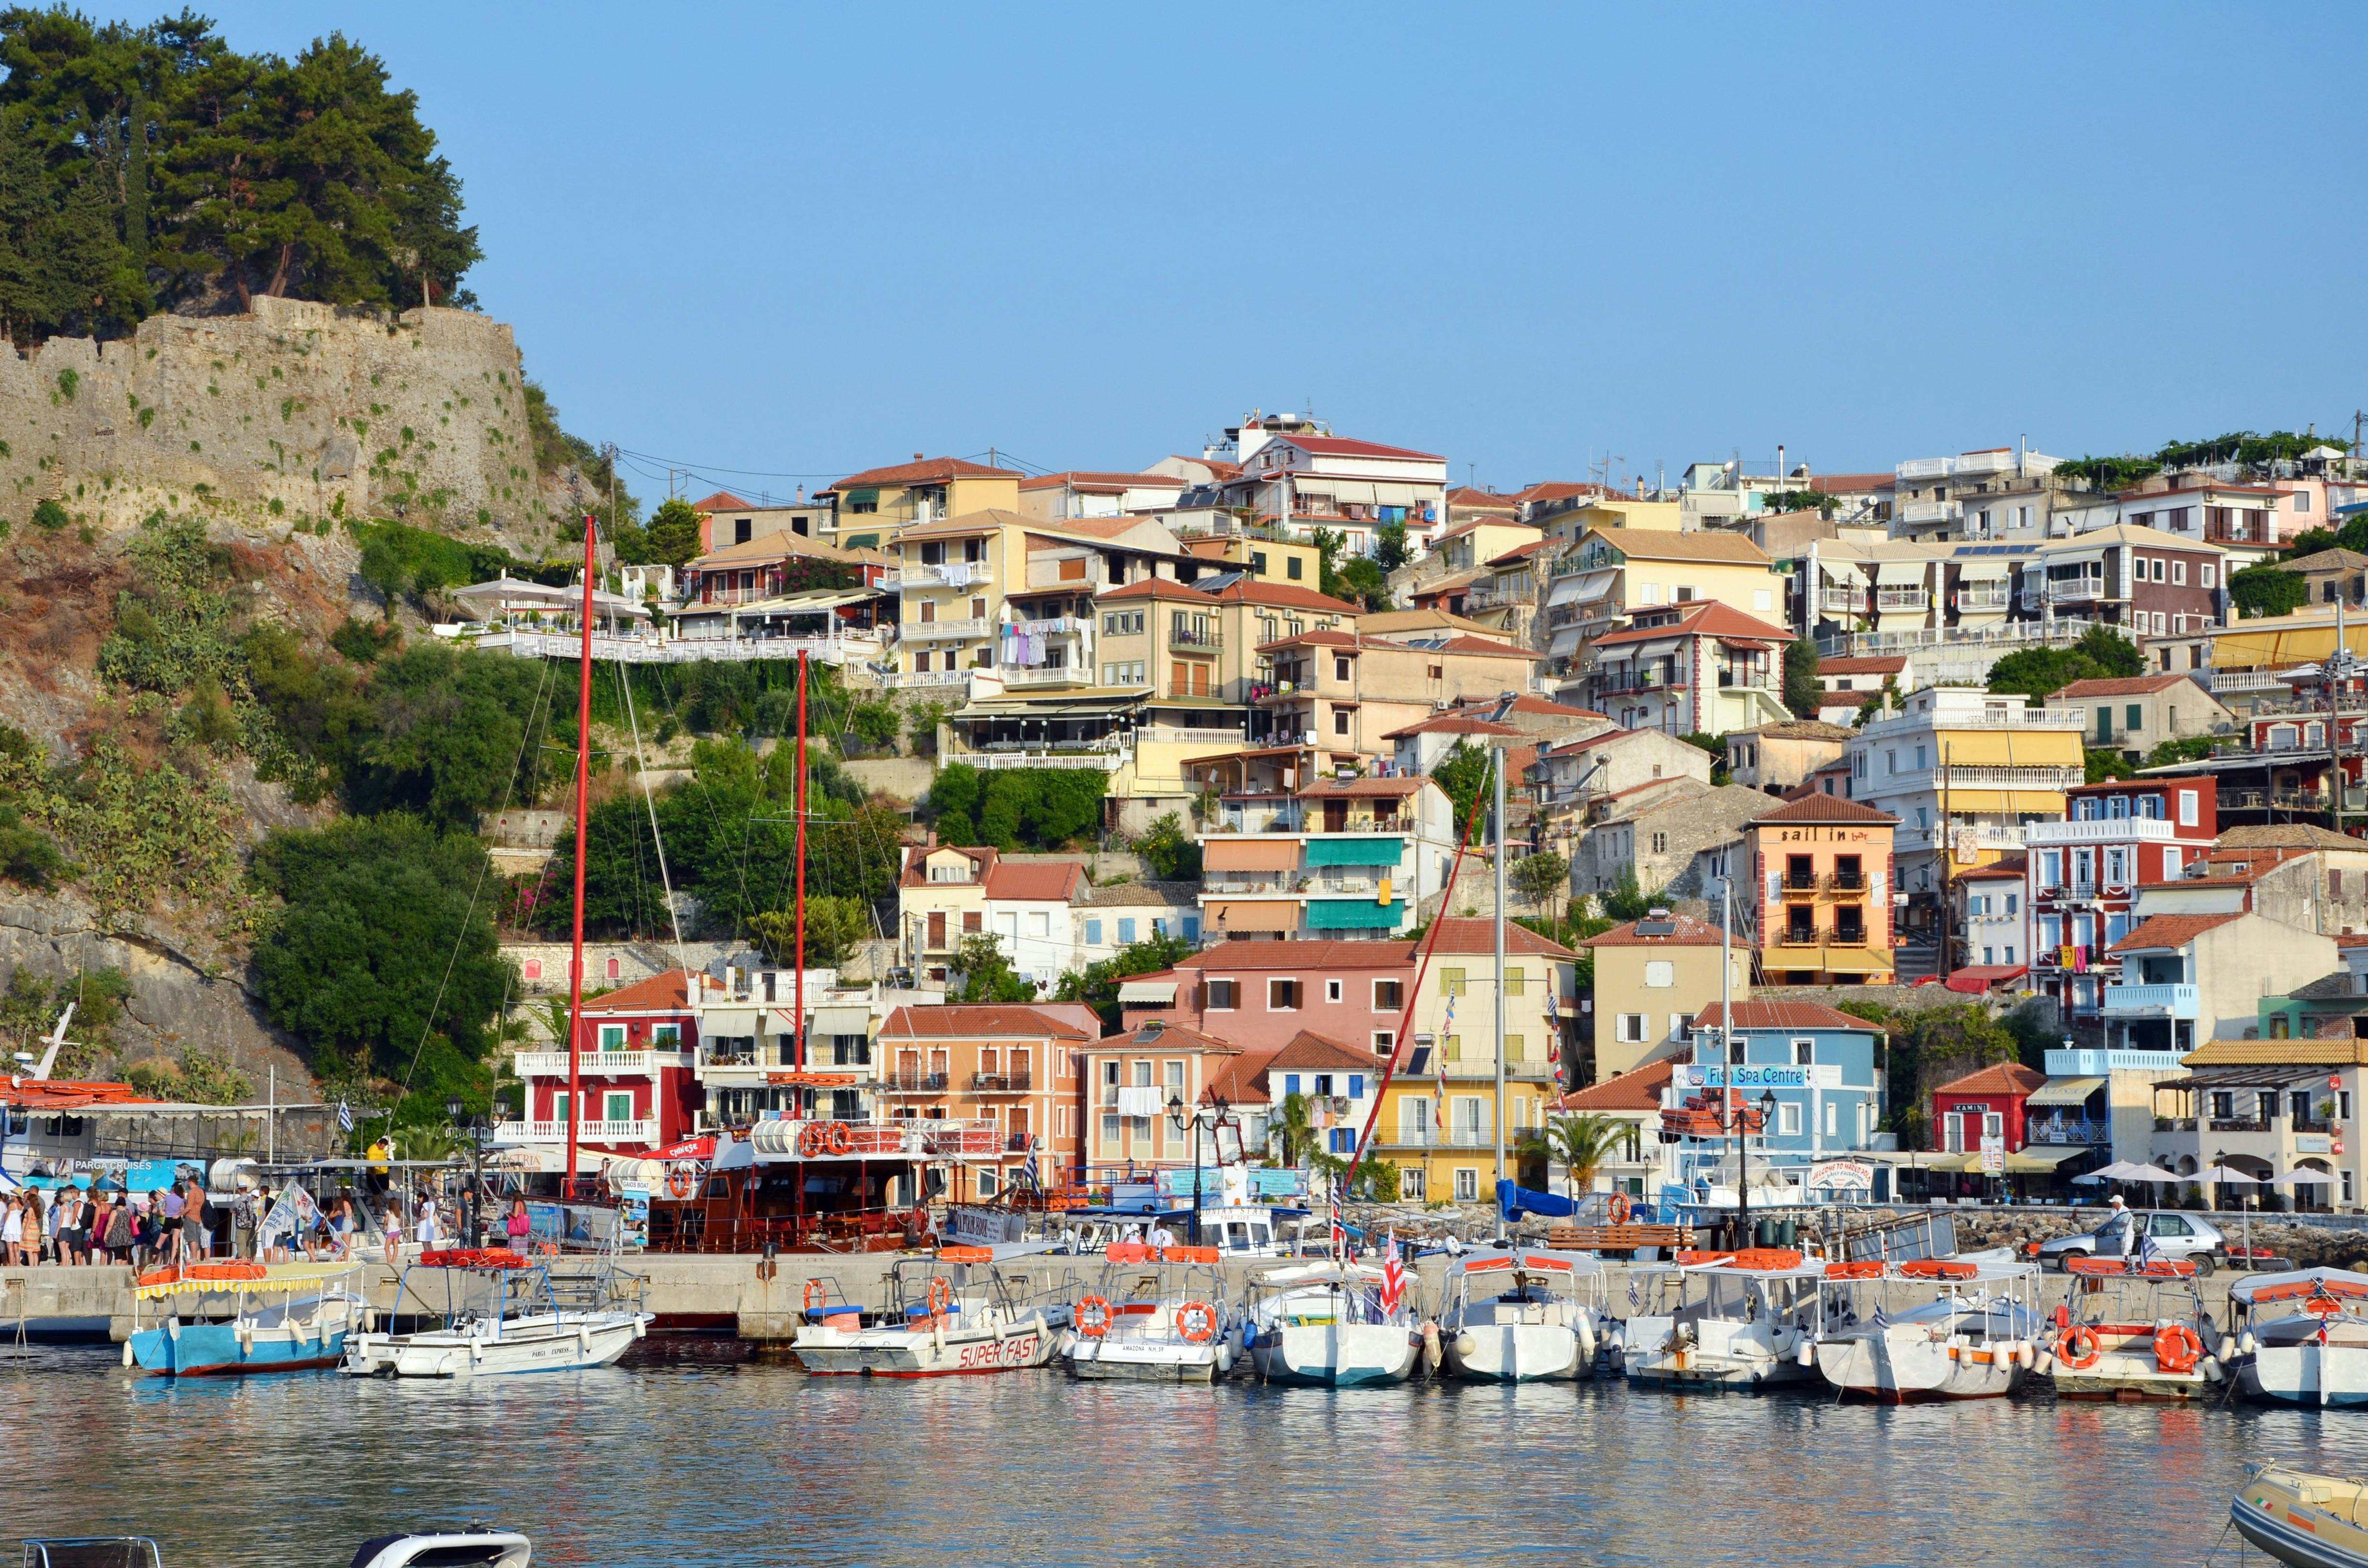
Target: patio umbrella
{"type": "Point", "coordinates": [2118, 1171]}
{"type": "Point", "coordinates": [2224, 1173]}
{"type": "Point", "coordinates": [2147, 1173]}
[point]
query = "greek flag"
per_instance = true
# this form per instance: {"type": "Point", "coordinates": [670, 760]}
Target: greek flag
{"type": "Point", "coordinates": [1029, 1171]}
{"type": "Point", "coordinates": [344, 1117]}
{"type": "Point", "coordinates": [1882, 1319]}
{"type": "Point", "coordinates": [2147, 1251]}
{"type": "Point", "coordinates": [1633, 1300]}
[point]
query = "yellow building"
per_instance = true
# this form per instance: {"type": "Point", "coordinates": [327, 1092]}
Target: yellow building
{"type": "Point", "coordinates": [881, 501]}
{"type": "Point", "coordinates": [1444, 1144]}
{"type": "Point", "coordinates": [1822, 898]}
{"type": "Point", "coordinates": [1652, 977]}
{"type": "Point", "coordinates": [1615, 571]}
{"type": "Point", "coordinates": [1566, 520]}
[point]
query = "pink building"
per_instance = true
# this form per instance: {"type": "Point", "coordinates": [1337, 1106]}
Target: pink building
{"type": "Point", "coordinates": [1260, 996]}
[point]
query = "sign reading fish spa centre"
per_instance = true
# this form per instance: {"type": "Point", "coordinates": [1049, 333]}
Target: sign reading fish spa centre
{"type": "Point", "coordinates": [1774, 1076]}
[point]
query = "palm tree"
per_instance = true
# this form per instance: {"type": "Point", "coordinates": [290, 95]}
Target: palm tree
{"type": "Point", "coordinates": [1581, 1144]}
{"type": "Point", "coordinates": [1299, 1135]}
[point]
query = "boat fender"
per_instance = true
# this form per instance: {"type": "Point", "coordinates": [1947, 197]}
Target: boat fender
{"type": "Point", "coordinates": [1432, 1351]}
{"type": "Point", "coordinates": [1225, 1359]}
{"type": "Point", "coordinates": [127, 1353]}
{"type": "Point", "coordinates": [2044, 1364]}
{"type": "Point", "coordinates": [1808, 1353]}
{"type": "Point", "coordinates": [2246, 1344]}
{"type": "Point", "coordinates": [938, 1335]}
{"type": "Point", "coordinates": [1586, 1338]}
{"type": "Point", "coordinates": [641, 1328]}
{"type": "Point", "coordinates": [2025, 1356]}
{"type": "Point", "coordinates": [1465, 1344]}
{"type": "Point", "coordinates": [370, 1320]}
{"type": "Point", "coordinates": [2211, 1365]}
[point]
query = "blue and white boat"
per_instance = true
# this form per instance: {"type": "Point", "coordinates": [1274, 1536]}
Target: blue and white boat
{"type": "Point", "coordinates": [1323, 1323]}
{"type": "Point", "coordinates": [244, 1318]}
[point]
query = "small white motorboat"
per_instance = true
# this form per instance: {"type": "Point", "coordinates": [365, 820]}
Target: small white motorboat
{"type": "Point", "coordinates": [959, 1312]}
{"type": "Point", "coordinates": [2301, 1338]}
{"type": "Point", "coordinates": [1157, 1315]}
{"type": "Point", "coordinates": [2133, 1331]}
{"type": "Point", "coordinates": [1325, 1322]}
{"type": "Point", "coordinates": [1973, 1337]}
{"type": "Point", "coordinates": [1517, 1317]}
{"type": "Point", "coordinates": [1723, 1320]}
{"type": "Point", "coordinates": [501, 1313]}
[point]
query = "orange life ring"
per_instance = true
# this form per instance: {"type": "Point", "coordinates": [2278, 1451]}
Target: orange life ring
{"type": "Point", "coordinates": [838, 1138]}
{"type": "Point", "coordinates": [1936, 1269]}
{"type": "Point", "coordinates": [1093, 1317]}
{"type": "Point", "coordinates": [2076, 1349]}
{"type": "Point", "coordinates": [809, 1140]}
{"type": "Point", "coordinates": [2323, 1307]}
{"type": "Point", "coordinates": [1766, 1257]}
{"type": "Point", "coordinates": [816, 1294]}
{"type": "Point", "coordinates": [2177, 1347]}
{"type": "Point", "coordinates": [1196, 1322]}
{"type": "Point", "coordinates": [679, 1184]}
{"type": "Point", "coordinates": [1620, 1209]}
{"type": "Point", "coordinates": [1864, 1269]}
{"type": "Point", "coordinates": [942, 1293]}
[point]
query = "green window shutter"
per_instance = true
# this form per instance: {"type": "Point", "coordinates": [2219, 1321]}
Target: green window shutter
{"type": "Point", "coordinates": [2133, 719]}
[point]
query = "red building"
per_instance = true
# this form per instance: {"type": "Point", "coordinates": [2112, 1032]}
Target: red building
{"type": "Point", "coordinates": [2084, 873]}
{"type": "Point", "coordinates": [1986, 1104]}
{"type": "Point", "coordinates": [637, 1076]}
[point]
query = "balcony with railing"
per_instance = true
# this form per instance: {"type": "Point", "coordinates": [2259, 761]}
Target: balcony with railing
{"type": "Point", "coordinates": [951, 575]}
{"type": "Point", "coordinates": [2128, 1000]}
{"type": "Point", "coordinates": [1987, 596]}
{"type": "Point", "coordinates": [1188, 637]}
{"type": "Point", "coordinates": [1800, 887]}
{"type": "Point", "coordinates": [603, 1063]}
{"type": "Point", "coordinates": [1841, 601]}
{"type": "Point", "coordinates": [1040, 675]}
{"type": "Point", "coordinates": [970, 629]}
{"type": "Point", "coordinates": [914, 680]}
{"type": "Point", "coordinates": [1002, 1083]}
{"type": "Point", "coordinates": [1922, 514]}
{"type": "Point", "coordinates": [2060, 1132]}
{"type": "Point", "coordinates": [1902, 598]}
{"type": "Point", "coordinates": [907, 1081]}
{"type": "Point", "coordinates": [643, 1130]}
{"type": "Point", "coordinates": [2102, 830]}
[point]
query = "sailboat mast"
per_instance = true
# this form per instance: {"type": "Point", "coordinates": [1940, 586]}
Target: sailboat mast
{"type": "Point", "coordinates": [583, 809]}
{"type": "Point", "coordinates": [799, 808]}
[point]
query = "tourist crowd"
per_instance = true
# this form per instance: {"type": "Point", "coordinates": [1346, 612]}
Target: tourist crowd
{"type": "Point", "coordinates": [185, 1223]}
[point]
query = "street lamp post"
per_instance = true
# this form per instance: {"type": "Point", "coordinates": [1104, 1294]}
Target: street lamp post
{"type": "Point", "coordinates": [1742, 1157]}
{"type": "Point", "coordinates": [1176, 1118]}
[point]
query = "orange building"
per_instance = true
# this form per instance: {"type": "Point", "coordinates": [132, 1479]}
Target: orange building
{"type": "Point", "coordinates": [1823, 879]}
{"type": "Point", "coordinates": [1011, 1070]}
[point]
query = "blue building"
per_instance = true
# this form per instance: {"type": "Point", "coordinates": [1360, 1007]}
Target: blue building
{"type": "Point", "coordinates": [1818, 1068]}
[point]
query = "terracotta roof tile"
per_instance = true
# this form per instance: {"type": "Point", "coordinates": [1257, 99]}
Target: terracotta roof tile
{"type": "Point", "coordinates": [1827, 808]}
{"type": "Point", "coordinates": [1457, 934]}
{"type": "Point", "coordinates": [1686, 932]}
{"type": "Point", "coordinates": [1347, 446]}
{"type": "Point", "coordinates": [1707, 618]}
{"type": "Point", "coordinates": [1998, 1078]}
{"type": "Point", "coordinates": [916, 874]}
{"type": "Point", "coordinates": [953, 1022]}
{"type": "Point", "coordinates": [1783, 1016]}
{"type": "Point", "coordinates": [660, 991]}
{"type": "Point", "coordinates": [2170, 931]}
{"type": "Point", "coordinates": [924, 471]}
{"type": "Point", "coordinates": [1310, 954]}
{"type": "Point", "coordinates": [2131, 686]}
{"type": "Point", "coordinates": [1639, 1090]}
{"type": "Point", "coordinates": [1657, 544]}
{"type": "Point", "coordinates": [1053, 882]}
{"type": "Point", "coordinates": [1869, 665]}
{"type": "Point", "coordinates": [723, 501]}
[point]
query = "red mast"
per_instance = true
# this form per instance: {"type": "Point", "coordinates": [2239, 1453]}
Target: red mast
{"type": "Point", "coordinates": [583, 803]}
{"type": "Point", "coordinates": [799, 808]}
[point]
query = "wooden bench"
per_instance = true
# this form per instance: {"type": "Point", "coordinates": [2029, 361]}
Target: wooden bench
{"type": "Point", "coordinates": [1622, 1240]}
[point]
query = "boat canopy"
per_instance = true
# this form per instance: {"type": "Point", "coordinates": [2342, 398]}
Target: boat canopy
{"type": "Point", "coordinates": [1537, 1260]}
{"type": "Point", "coordinates": [211, 1279]}
{"type": "Point", "coordinates": [2267, 1288]}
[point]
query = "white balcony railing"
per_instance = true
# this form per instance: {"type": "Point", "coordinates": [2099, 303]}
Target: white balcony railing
{"type": "Point", "coordinates": [916, 678]}
{"type": "Point", "coordinates": [1913, 513]}
{"type": "Point", "coordinates": [1050, 675]}
{"type": "Point", "coordinates": [1902, 598]}
{"type": "Point", "coordinates": [2108, 830]}
{"type": "Point", "coordinates": [644, 1130]}
{"type": "Point", "coordinates": [1841, 601]}
{"type": "Point", "coordinates": [961, 574]}
{"type": "Point", "coordinates": [2173, 1001]}
{"type": "Point", "coordinates": [605, 1063]}
{"type": "Point", "coordinates": [940, 631]}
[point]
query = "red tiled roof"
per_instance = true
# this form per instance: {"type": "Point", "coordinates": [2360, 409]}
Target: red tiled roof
{"type": "Point", "coordinates": [956, 1021]}
{"type": "Point", "coordinates": [1307, 1049]}
{"type": "Point", "coordinates": [1240, 1080]}
{"type": "Point", "coordinates": [924, 471]}
{"type": "Point", "coordinates": [1217, 467]}
{"type": "Point", "coordinates": [1056, 880]}
{"type": "Point", "coordinates": [1089, 479]}
{"type": "Point", "coordinates": [1471, 499]}
{"type": "Point", "coordinates": [1869, 665]}
{"type": "Point", "coordinates": [1454, 724]}
{"type": "Point", "coordinates": [916, 875]}
{"type": "Point", "coordinates": [1687, 932]}
{"type": "Point", "coordinates": [1709, 617]}
{"type": "Point", "coordinates": [1479, 936]}
{"type": "Point", "coordinates": [1519, 553]}
{"type": "Point", "coordinates": [723, 501]}
{"type": "Point", "coordinates": [1529, 702]}
{"type": "Point", "coordinates": [659, 992]}
{"type": "Point", "coordinates": [1251, 590]}
{"type": "Point", "coordinates": [2130, 686]}
{"type": "Point", "coordinates": [1361, 789]}
{"type": "Point", "coordinates": [1851, 484]}
{"type": "Point", "coordinates": [1146, 588]}
{"type": "Point", "coordinates": [67, 1094]}
{"type": "Point", "coordinates": [2008, 867]}
{"type": "Point", "coordinates": [2170, 931]}
{"type": "Point", "coordinates": [1826, 807]}
{"type": "Point", "coordinates": [1783, 1016]}
{"type": "Point", "coordinates": [1639, 1090]}
{"type": "Point", "coordinates": [1998, 1078]}
{"type": "Point", "coordinates": [1347, 446]}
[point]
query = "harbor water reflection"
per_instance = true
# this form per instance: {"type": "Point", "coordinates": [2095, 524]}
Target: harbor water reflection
{"type": "Point", "coordinates": [684, 1466]}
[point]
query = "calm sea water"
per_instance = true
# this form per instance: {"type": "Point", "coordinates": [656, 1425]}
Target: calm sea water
{"type": "Point", "coordinates": [760, 1464]}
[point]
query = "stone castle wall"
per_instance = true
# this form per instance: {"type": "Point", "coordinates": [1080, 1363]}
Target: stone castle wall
{"type": "Point", "coordinates": [298, 412]}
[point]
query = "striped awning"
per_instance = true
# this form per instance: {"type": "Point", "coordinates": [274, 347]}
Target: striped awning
{"type": "Point", "coordinates": [1232, 914]}
{"type": "Point", "coordinates": [1354, 915]}
{"type": "Point", "coordinates": [1151, 993]}
{"type": "Point", "coordinates": [2065, 1091]}
{"type": "Point", "coordinates": [1250, 854]}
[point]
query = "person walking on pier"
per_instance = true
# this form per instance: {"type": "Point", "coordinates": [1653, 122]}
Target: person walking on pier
{"type": "Point", "coordinates": [34, 1220]}
{"type": "Point", "coordinates": [198, 1221]}
{"type": "Point", "coordinates": [118, 1228]}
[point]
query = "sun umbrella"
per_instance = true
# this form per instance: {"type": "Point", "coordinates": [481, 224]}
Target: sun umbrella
{"type": "Point", "coordinates": [2224, 1173]}
{"type": "Point", "coordinates": [2147, 1173]}
{"type": "Point", "coordinates": [2118, 1171]}
{"type": "Point", "coordinates": [2304, 1176]}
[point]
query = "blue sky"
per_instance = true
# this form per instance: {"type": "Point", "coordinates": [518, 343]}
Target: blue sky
{"type": "Point", "coordinates": [806, 239]}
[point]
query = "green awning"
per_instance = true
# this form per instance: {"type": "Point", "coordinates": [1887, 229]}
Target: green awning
{"type": "Point", "coordinates": [1381, 850]}
{"type": "Point", "coordinates": [866, 497]}
{"type": "Point", "coordinates": [859, 541]}
{"type": "Point", "coordinates": [2065, 1091]}
{"type": "Point", "coordinates": [1354, 915]}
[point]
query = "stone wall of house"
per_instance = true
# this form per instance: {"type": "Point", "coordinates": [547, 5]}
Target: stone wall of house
{"type": "Point", "coordinates": [297, 412]}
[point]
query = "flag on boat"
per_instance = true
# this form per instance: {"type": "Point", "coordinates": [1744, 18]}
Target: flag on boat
{"type": "Point", "coordinates": [295, 1216]}
{"type": "Point", "coordinates": [2147, 1251]}
{"type": "Point", "coordinates": [1339, 1232]}
{"type": "Point", "coordinates": [1392, 1276]}
{"type": "Point", "coordinates": [345, 1116]}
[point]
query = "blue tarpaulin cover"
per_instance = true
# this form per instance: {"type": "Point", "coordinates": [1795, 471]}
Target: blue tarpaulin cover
{"type": "Point", "coordinates": [1515, 1201]}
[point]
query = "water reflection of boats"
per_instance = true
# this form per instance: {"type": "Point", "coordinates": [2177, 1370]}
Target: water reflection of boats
{"type": "Point", "coordinates": [2304, 1338]}
{"type": "Point", "coordinates": [1518, 1316]}
{"type": "Point", "coordinates": [1724, 1321]}
{"type": "Point", "coordinates": [501, 1313]}
{"type": "Point", "coordinates": [281, 1318]}
{"type": "Point", "coordinates": [1974, 1338]}
{"type": "Point", "coordinates": [2310, 1521]}
{"type": "Point", "coordinates": [1156, 1315]}
{"type": "Point", "coordinates": [962, 1311]}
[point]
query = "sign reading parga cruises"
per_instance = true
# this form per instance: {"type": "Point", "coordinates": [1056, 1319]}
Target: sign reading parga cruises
{"type": "Point", "coordinates": [1841, 1175]}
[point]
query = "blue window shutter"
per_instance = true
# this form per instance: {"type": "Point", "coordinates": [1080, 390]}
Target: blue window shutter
{"type": "Point", "coordinates": [1093, 933]}
{"type": "Point", "coordinates": [1191, 927]}
{"type": "Point", "coordinates": [1356, 1086]}
{"type": "Point", "coordinates": [1126, 930]}
{"type": "Point", "coordinates": [1290, 1083]}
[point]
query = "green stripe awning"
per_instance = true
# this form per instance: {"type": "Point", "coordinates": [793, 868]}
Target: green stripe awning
{"type": "Point", "coordinates": [865, 497]}
{"type": "Point", "coordinates": [1354, 915]}
{"type": "Point", "coordinates": [1381, 850]}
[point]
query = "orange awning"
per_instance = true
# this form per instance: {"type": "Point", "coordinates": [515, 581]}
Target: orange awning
{"type": "Point", "coordinates": [1228, 915]}
{"type": "Point", "coordinates": [1250, 854]}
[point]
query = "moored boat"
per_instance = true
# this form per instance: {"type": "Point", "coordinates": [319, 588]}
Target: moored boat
{"type": "Point", "coordinates": [283, 1317]}
{"type": "Point", "coordinates": [2301, 1337]}
{"type": "Point", "coordinates": [2134, 1331]}
{"type": "Point", "coordinates": [1519, 1316]}
{"type": "Point", "coordinates": [1325, 1323]}
{"type": "Point", "coordinates": [1973, 1337]}
{"type": "Point", "coordinates": [962, 1311]}
{"type": "Point", "coordinates": [1157, 1315]}
{"type": "Point", "coordinates": [501, 1313]}
{"type": "Point", "coordinates": [1734, 1320]}
{"type": "Point", "coordinates": [2309, 1521]}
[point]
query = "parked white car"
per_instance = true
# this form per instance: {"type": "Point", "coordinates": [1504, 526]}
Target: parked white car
{"type": "Point", "coordinates": [2174, 1235]}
